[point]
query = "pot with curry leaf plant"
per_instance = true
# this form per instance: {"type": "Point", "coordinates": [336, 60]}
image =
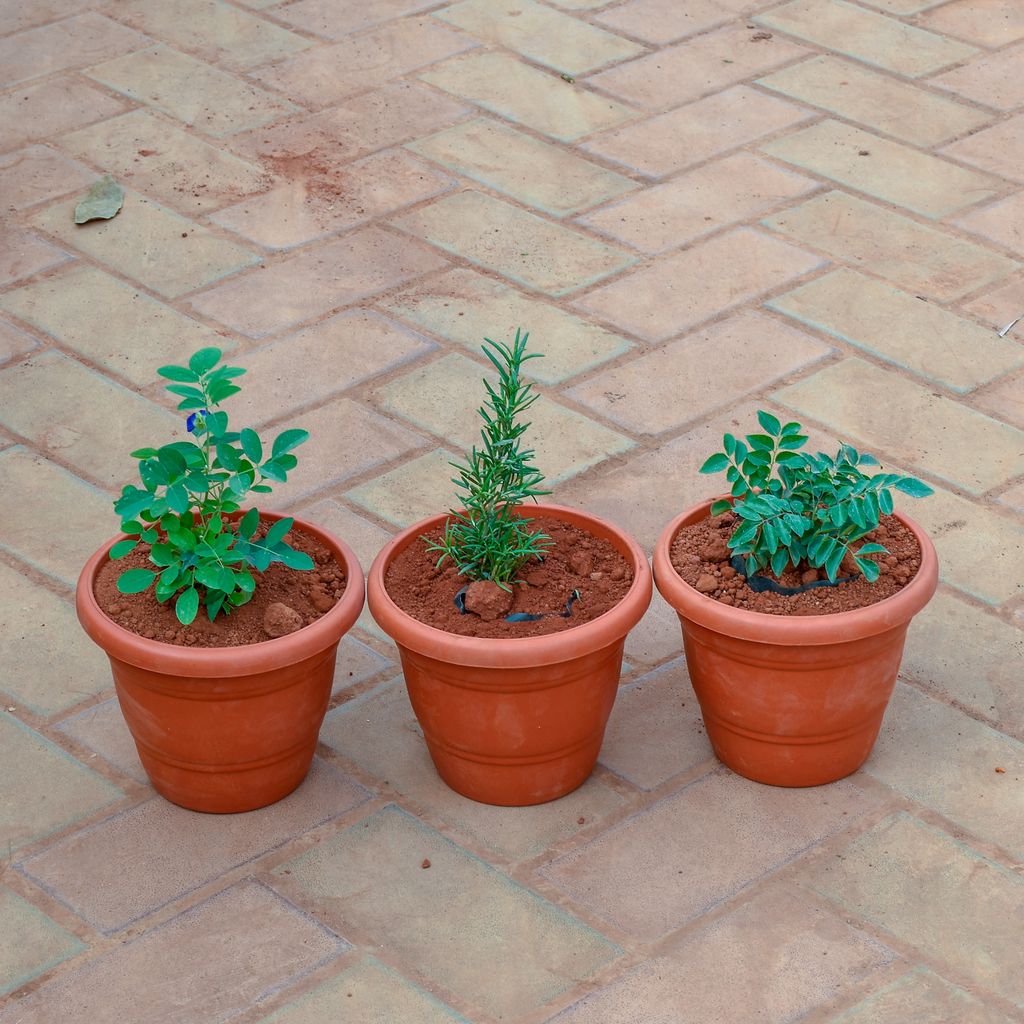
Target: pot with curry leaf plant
{"type": "Point", "coordinates": [794, 595]}
{"type": "Point", "coordinates": [221, 626]}
{"type": "Point", "coordinates": [510, 618]}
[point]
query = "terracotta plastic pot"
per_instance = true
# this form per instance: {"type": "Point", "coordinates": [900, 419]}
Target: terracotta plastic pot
{"type": "Point", "coordinates": [792, 700]}
{"type": "Point", "coordinates": [231, 728]}
{"type": "Point", "coordinates": [514, 721]}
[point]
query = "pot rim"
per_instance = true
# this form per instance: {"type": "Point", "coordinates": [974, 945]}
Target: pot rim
{"type": "Point", "coordinates": [513, 652]}
{"type": "Point", "coordinates": [224, 662]}
{"type": "Point", "coordinates": [793, 630]}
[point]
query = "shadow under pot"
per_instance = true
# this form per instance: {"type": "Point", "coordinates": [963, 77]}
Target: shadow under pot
{"type": "Point", "coordinates": [514, 721]}
{"type": "Point", "coordinates": [792, 700]}
{"type": "Point", "coordinates": [226, 729]}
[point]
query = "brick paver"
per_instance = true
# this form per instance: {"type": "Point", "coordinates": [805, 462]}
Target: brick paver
{"type": "Point", "coordinates": [698, 209]}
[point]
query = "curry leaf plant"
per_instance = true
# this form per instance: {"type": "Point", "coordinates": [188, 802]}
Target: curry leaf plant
{"type": "Point", "coordinates": [189, 490]}
{"type": "Point", "coordinates": [487, 540]}
{"type": "Point", "coordinates": [799, 508]}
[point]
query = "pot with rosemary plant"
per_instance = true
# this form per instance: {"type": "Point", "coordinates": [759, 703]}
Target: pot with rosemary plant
{"type": "Point", "coordinates": [794, 595]}
{"type": "Point", "coordinates": [510, 617]}
{"type": "Point", "coordinates": [225, 707]}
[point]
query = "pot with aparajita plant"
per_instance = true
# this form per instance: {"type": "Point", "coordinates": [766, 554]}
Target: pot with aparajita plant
{"type": "Point", "coordinates": [225, 709]}
{"type": "Point", "coordinates": [794, 595]}
{"type": "Point", "coordinates": [510, 622]}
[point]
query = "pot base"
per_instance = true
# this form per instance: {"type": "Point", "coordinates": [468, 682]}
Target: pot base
{"type": "Point", "coordinates": [515, 782]}
{"type": "Point", "coordinates": [792, 762]}
{"type": "Point", "coordinates": [228, 789]}
{"type": "Point", "coordinates": [515, 740]}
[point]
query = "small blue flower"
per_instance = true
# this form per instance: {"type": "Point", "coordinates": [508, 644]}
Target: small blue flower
{"type": "Point", "coordinates": [190, 423]}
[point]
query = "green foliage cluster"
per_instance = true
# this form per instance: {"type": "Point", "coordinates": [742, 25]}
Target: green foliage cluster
{"type": "Point", "coordinates": [189, 490]}
{"type": "Point", "coordinates": [487, 540]}
{"type": "Point", "coordinates": [800, 508]}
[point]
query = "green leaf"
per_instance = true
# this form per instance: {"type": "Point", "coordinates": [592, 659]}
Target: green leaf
{"type": "Point", "coordinates": [272, 471]}
{"type": "Point", "coordinates": [277, 531]}
{"type": "Point", "coordinates": [172, 461]}
{"type": "Point", "coordinates": [178, 373]}
{"type": "Point", "coordinates": [915, 488]}
{"type": "Point", "coordinates": [248, 523]}
{"type": "Point", "coordinates": [187, 606]}
{"type": "Point", "coordinates": [187, 391]}
{"type": "Point", "coordinates": [294, 559]}
{"type": "Point", "coordinates": [162, 554]}
{"type": "Point", "coordinates": [783, 458]}
{"type": "Point", "coordinates": [144, 453]}
{"type": "Point", "coordinates": [769, 423]}
{"type": "Point", "coordinates": [715, 463]}
{"type": "Point", "coordinates": [745, 532]}
{"type": "Point", "coordinates": [791, 443]}
{"type": "Point", "coordinates": [208, 574]}
{"type": "Point", "coordinates": [870, 569]}
{"type": "Point", "coordinates": [720, 506]}
{"type": "Point", "coordinates": [103, 200]}
{"type": "Point", "coordinates": [288, 440]}
{"type": "Point", "coordinates": [872, 549]}
{"type": "Point", "coordinates": [217, 422]}
{"type": "Point", "coordinates": [203, 361]}
{"type": "Point", "coordinates": [779, 561]}
{"type": "Point", "coordinates": [857, 515]}
{"type": "Point", "coordinates": [213, 605]}
{"type": "Point", "coordinates": [833, 561]}
{"type": "Point", "coordinates": [221, 390]}
{"type": "Point", "coordinates": [177, 498]}
{"type": "Point", "coordinates": [122, 548]}
{"type": "Point", "coordinates": [134, 581]}
{"type": "Point", "coordinates": [228, 457]}
{"type": "Point", "coordinates": [251, 445]}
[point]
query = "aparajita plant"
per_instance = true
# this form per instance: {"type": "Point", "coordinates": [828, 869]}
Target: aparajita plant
{"type": "Point", "coordinates": [189, 490]}
{"type": "Point", "coordinates": [487, 539]}
{"type": "Point", "coordinates": [800, 508]}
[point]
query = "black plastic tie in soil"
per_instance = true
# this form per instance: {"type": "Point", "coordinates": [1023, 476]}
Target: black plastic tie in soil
{"type": "Point", "coordinates": [565, 613]}
{"type": "Point", "coordinates": [760, 583]}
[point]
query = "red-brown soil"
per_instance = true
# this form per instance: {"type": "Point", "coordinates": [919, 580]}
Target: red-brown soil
{"type": "Point", "coordinates": [701, 558]}
{"type": "Point", "coordinates": [307, 594]}
{"type": "Point", "coordinates": [575, 561]}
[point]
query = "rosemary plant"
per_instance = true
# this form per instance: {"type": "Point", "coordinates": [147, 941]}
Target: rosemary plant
{"type": "Point", "coordinates": [487, 540]}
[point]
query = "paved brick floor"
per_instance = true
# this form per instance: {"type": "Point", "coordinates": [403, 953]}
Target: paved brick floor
{"type": "Point", "coordinates": [699, 208]}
